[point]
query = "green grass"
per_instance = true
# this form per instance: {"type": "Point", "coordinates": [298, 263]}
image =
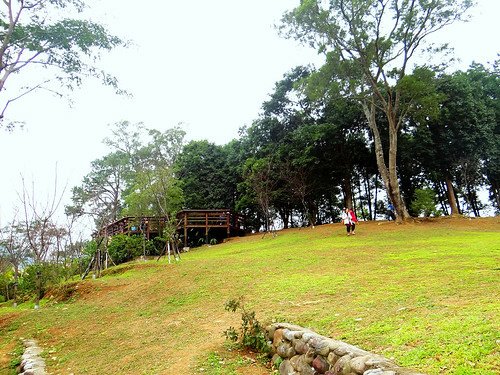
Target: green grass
{"type": "Point", "coordinates": [425, 294]}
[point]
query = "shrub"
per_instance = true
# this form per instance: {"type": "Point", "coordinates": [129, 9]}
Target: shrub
{"type": "Point", "coordinates": [51, 274]}
{"type": "Point", "coordinates": [251, 334]}
{"type": "Point", "coordinates": [424, 203]}
{"type": "Point", "coordinates": [123, 248]}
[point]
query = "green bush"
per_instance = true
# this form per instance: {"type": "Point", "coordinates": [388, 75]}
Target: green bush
{"type": "Point", "coordinates": [251, 334]}
{"type": "Point", "coordinates": [424, 203]}
{"type": "Point", "coordinates": [123, 248]}
{"type": "Point", "coordinates": [51, 274]}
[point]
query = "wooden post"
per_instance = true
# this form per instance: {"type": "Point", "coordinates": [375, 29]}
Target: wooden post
{"type": "Point", "coordinates": [185, 229]}
{"type": "Point", "coordinates": [206, 227]}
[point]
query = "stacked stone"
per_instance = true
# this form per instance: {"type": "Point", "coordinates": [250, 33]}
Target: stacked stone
{"type": "Point", "coordinates": [31, 362]}
{"type": "Point", "coordinates": [299, 351]}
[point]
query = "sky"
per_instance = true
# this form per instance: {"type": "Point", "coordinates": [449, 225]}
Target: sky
{"type": "Point", "coordinates": [208, 65]}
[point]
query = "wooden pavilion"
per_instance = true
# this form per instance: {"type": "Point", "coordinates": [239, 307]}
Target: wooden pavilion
{"type": "Point", "coordinates": [149, 226]}
{"type": "Point", "coordinates": [202, 222]}
{"type": "Point", "coordinates": [191, 224]}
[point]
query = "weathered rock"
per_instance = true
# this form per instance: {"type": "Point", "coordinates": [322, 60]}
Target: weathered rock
{"type": "Point", "coordinates": [358, 364]}
{"type": "Point", "coordinates": [291, 335]}
{"type": "Point", "coordinates": [278, 337]}
{"type": "Point", "coordinates": [31, 362]}
{"type": "Point", "coordinates": [281, 350]}
{"type": "Point", "coordinates": [379, 372]}
{"type": "Point", "coordinates": [332, 358]}
{"type": "Point", "coordinates": [294, 361]}
{"type": "Point", "coordinates": [286, 350]}
{"type": "Point", "coordinates": [320, 364]}
{"type": "Point", "coordinates": [307, 336]}
{"type": "Point", "coordinates": [301, 347]}
{"type": "Point", "coordinates": [307, 353]}
{"type": "Point", "coordinates": [321, 346]}
{"type": "Point", "coordinates": [309, 356]}
{"type": "Point", "coordinates": [286, 368]}
{"type": "Point", "coordinates": [270, 332]}
{"type": "Point", "coordinates": [343, 365]}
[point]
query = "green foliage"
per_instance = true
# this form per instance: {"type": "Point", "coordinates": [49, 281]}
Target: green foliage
{"type": "Point", "coordinates": [424, 203]}
{"type": "Point", "coordinates": [208, 179]}
{"type": "Point", "coordinates": [16, 357]}
{"type": "Point", "coordinates": [123, 248]}
{"type": "Point", "coordinates": [251, 334]}
{"type": "Point", "coordinates": [50, 274]}
{"type": "Point", "coordinates": [43, 33]}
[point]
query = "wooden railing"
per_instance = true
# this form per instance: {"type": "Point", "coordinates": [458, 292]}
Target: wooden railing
{"type": "Point", "coordinates": [151, 226]}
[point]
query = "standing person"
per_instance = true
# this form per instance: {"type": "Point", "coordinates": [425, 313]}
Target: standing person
{"type": "Point", "coordinates": [346, 219]}
{"type": "Point", "coordinates": [390, 212]}
{"type": "Point", "coordinates": [354, 220]}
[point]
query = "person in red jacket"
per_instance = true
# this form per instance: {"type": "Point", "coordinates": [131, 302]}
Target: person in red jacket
{"type": "Point", "coordinates": [354, 220]}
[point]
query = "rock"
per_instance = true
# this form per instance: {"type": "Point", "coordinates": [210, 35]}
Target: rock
{"type": "Point", "coordinates": [358, 364]}
{"type": "Point", "coordinates": [343, 365]}
{"type": "Point", "coordinates": [332, 358]}
{"type": "Point", "coordinates": [301, 347]}
{"type": "Point", "coordinates": [320, 345]}
{"type": "Point", "coordinates": [320, 364]}
{"type": "Point", "coordinates": [307, 336]}
{"type": "Point", "coordinates": [286, 368]}
{"type": "Point", "coordinates": [291, 335]}
{"type": "Point", "coordinates": [285, 351]}
{"type": "Point", "coordinates": [379, 372]}
{"type": "Point", "coordinates": [278, 337]}
{"type": "Point", "coordinates": [309, 356]}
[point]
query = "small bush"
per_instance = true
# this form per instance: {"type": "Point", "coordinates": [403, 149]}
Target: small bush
{"type": "Point", "coordinates": [251, 334]}
{"type": "Point", "coordinates": [124, 248]}
{"type": "Point", "coordinates": [424, 203]}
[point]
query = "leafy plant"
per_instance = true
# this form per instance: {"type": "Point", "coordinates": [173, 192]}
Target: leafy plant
{"type": "Point", "coordinates": [424, 203]}
{"type": "Point", "coordinates": [16, 358]}
{"type": "Point", "coordinates": [251, 334]}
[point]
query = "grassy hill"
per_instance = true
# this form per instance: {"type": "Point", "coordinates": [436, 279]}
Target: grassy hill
{"type": "Point", "coordinates": [425, 294]}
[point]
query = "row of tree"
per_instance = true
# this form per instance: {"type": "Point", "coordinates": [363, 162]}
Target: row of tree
{"type": "Point", "coordinates": [306, 159]}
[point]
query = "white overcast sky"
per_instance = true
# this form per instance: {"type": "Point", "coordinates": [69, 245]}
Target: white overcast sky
{"type": "Point", "coordinates": [206, 64]}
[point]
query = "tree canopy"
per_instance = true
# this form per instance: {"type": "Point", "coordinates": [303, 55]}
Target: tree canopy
{"type": "Point", "coordinates": [369, 46]}
{"type": "Point", "coordinates": [36, 34]}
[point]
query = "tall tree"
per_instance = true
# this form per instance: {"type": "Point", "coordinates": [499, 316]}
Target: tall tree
{"type": "Point", "coordinates": [487, 85]}
{"type": "Point", "coordinates": [202, 166]}
{"type": "Point", "coordinates": [14, 250]}
{"type": "Point", "coordinates": [35, 33]}
{"type": "Point", "coordinates": [369, 46]}
{"type": "Point", "coordinates": [453, 145]}
{"type": "Point", "coordinates": [40, 230]}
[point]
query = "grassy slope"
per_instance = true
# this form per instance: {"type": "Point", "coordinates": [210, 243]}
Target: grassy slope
{"type": "Point", "coordinates": [425, 294]}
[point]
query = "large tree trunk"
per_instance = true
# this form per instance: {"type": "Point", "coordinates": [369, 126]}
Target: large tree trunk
{"type": "Point", "coordinates": [452, 200]}
{"type": "Point", "coordinates": [388, 173]}
{"type": "Point", "coordinates": [347, 189]}
{"type": "Point", "coordinates": [16, 281]}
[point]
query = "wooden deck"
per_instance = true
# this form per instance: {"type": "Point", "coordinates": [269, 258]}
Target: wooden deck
{"type": "Point", "coordinates": [149, 226]}
{"type": "Point", "coordinates": [188, 222]}
{"type": "Point", "coordinates": [206, 220]}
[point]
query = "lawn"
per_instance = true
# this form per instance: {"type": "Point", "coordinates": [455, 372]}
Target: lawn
{"type": "Point", "coordinates": [424, 293]}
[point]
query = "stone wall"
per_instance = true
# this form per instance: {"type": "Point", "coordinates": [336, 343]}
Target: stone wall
{"type": "Point", "coordinates": [32, 363]}
{"type": "Point", "coordinates": [300, 351]}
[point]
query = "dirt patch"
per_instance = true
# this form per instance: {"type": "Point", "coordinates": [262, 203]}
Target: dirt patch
{"type": "Point", "coordinates": [78, 290]}
{"type": "Point", "coordinates": [6, 320]}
